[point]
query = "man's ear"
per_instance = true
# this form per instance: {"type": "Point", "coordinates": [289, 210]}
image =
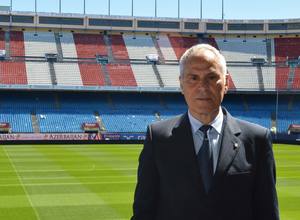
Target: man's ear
{"type": "Point", "coordinates": [226, 83]}
{"type": "Point", "coordinates": [181, 86]}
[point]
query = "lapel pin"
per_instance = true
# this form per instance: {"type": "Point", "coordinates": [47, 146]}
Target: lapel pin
{"type": "Point", "coordinates": [236, 145]}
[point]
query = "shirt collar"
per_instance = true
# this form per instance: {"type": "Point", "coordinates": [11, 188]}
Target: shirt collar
{"type": "Point", "coordinates": [216, 123]}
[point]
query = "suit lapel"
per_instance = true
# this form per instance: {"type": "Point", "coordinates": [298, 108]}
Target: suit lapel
{"type": "Point", "coordinates": [183, 148]}
{"type": "Point", "coordinates": [230, 144]}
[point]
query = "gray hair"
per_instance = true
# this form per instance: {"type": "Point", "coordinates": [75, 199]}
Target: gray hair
{"type": "Point", "coordinates": [188, 53]}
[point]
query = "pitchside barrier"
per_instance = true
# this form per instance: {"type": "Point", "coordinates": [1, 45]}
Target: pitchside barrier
{"type": "Point", "coordinates": [105, 137]}
{"type": "Point", "coordinates": [72, 138]}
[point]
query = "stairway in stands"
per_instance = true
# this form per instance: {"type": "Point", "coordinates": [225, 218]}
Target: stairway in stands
{"type": "Point", "coordinates": [58, 46]}
{"type": "Point", "coordinates": [108, 48]}
{"type": "Point", "coordinates": [7, 44]}
{"type": "Point", "coordinates": [260, 78]}
{"type": "Point", "coordinates": [99, 121]}
{"type": "Point", "coordinates": [159, 52]}
{"type": "Point", "coordinates": [161, 84]}
{"type": "Point", "coordinates": [106, 75]}
{"type": "Point", "coordinates": [35, 124]}
{"type": "Point", "coordinates": [52, 73]}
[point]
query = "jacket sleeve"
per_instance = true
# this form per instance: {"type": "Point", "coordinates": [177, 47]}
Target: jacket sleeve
{"type": "Point", "coordinates": [265, 196]}
{"type": "Point", "coordinates": [146, 192]}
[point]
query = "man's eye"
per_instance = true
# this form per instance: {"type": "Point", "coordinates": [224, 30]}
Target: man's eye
{"type": "Point", "coordinates": [193, 77]}
{"type": "Point", "coordinates": [212, 77]}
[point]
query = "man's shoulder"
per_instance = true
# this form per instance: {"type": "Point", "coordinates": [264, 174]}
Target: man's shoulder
{"type": "Point", "coordinates": [165, 127]}
{"type": "Point", "coordinates": [167, 123]}
{"type": "Point", "coordinates": [251, 129]}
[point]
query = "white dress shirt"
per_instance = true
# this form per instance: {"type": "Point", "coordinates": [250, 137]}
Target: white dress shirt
{"type": "Point", "coordinates": [214, 135]}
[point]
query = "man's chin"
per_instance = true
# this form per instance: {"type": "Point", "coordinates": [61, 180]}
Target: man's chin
{"type": "Point", "coordinates": [207, 111]}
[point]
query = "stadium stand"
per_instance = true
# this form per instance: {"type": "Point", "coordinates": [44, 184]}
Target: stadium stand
{"type": "Point", "coordinates": [269, 78]}
{"type": "Point", "coordinates": [131, 112]}
{"type": "Point", "coordinates": [239, 50]}
{"type": "Point", "coordinates": [169, 75]}
{"type": "Point", "coordinates": [139, 46]}
{"type": "Point", "coordinates": [2, 40]}
{"type": "Point", "coordinates": [144, 75]}
{"type": "Point", "coordinates": [118, 47]}
{"type": "Point", "coordinates": [244, 77]}
{"type": "Point", "coordinates": [286, 48]}
{"type": "Point", "coordinates": [17, 47]}
{"type": "Point", "coordinates": [68, 74]}
{"type": "Point", "coordinates": [181, 44]}
{"type": "Point", "coordinates": [13, 72]}
{"type": "Point", "coordinates": [39, 43]}
{"type": "Point", "coordinates": [38, 73]}
{"type": "Point", "coordinates": [296, 80]}
{"type": "Point", "coordinates": [282, 74]}
{"type": "Point", "coordinates": [68, 45]}
{"type": "Point", "coordinates": [166, 47]}
{"type": "Point", "coordinates": [89, 45]}
{"type": "Point", "coordinates": [91, 74]}
{"type": "Point", "coordinates": [121, 75]}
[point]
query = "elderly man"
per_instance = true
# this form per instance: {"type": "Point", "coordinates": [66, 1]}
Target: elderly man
{"type": "Point", "coordinates": [205, 164]}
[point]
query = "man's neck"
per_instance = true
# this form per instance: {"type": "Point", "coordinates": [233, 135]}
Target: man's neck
{"type": "Point", "coordinates": [206, 118]}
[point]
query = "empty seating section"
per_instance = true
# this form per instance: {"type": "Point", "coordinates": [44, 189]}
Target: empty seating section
{"type": "Point", "coordinates": [121, 75]}
{"type": "Point", "coordinates": [282, 75]}
{"type": "Point", "coordinates": [244, 77]}
{"type": "Point", "coordinates": [181, 44]}
{"type": "Point", "coordinates": [89, 45]}
{"type": "Point", "coordinates": [127, 122]}
{"type": "Point", "coordinates": [231, 85]}
{"type": "Point", "coordinates": [38, 73]}
{"type": "Point", "coordinates": [19, 120]}
{"type": "Point", "coordinates": [68, 45]}
{"type": "Point", "coordinates": [130, 112]}
{"type": "Point", "coordinates": [91, 74]}
{"type": "Point", "coordinates": [169, 75]}
{"type": "Point", "coordinates": [166, 47]}
{"type": "Point", "coordinates": [67, 74]}
{"type": "Point", "coordinates": [286, 48]}
{"type": "Point", "coordinates": [273, 55]}
{"type": "Point", "coordinates": [37, 44]}
{"type": "Point", "coordinates": [235, 49]}
{"type": "Point", "coordinates": [296, 81]}
{"type": "Point", "coordinates": [118, 47]}
{"type": "Point", "coordinates": [268, 73]}
{"type": "Point", "coordinates": [63, 120]}
{"type": "Point", "coordinates": [128, 47]}
{"type": "Point", "coordinates": [144, 75]}
{"type": "Point", "coordinates": [13, 72]}
{"type": "Point", "coordinates": [2, 40]}
{"type": "Point", "coordinates": [139, 46]}
{"type": "Point", "coordinates": [17, 47]}
{"type": "Point", "coordinates": [212, 42]}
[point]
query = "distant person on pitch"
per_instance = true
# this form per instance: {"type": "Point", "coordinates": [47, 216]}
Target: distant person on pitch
{"type": "Point", "coordinates": [205, 164]}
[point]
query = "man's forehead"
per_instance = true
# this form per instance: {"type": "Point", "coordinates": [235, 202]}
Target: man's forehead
{"type": "Point", "coordinates": [202, 55]}
{"type": "Point", "coordinates": [203, 59]}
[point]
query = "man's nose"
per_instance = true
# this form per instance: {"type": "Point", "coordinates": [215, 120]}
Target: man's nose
{"type": "Point", "coordinates": [201, 84]}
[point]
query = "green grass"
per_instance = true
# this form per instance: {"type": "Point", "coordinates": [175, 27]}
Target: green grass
{"type": "Point", "coordinates": [85, 182]}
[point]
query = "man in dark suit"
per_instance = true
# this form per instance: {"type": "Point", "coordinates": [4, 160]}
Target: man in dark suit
{"type": "Point", "coordinates": [205, 164]}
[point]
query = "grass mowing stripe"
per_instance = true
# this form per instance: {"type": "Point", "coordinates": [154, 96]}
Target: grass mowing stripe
{"type": "Point", "coordinates": [20, 180]}
{"type": "Point", "coordinates": [107, 172]}
{"type": "Point", "coordinates": [86, 163]}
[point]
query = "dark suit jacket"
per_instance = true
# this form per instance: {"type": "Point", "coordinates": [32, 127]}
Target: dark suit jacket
{"type": "Point", "coordinates": [169, 184]}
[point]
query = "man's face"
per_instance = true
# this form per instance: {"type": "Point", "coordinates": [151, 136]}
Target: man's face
{"type": "Point", "coordinates": [203, 83]}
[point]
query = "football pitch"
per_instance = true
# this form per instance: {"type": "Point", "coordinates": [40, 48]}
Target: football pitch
{"type": "Point", "coordinates": [96, 182]}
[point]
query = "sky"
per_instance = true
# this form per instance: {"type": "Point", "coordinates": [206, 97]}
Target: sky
{"type": "Point", "coordinates": [212, 9]}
